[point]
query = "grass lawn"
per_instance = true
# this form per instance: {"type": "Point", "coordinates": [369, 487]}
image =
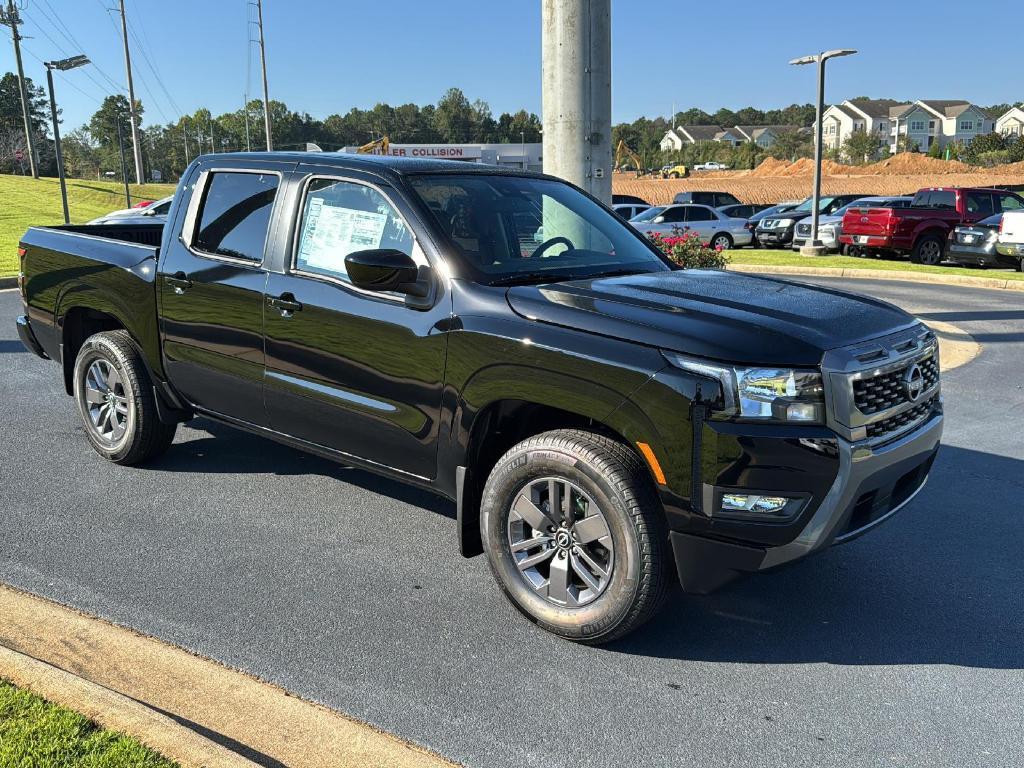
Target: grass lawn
{"type": "Point", "coordinates": [25, 202]}
{"type": "Point", "coordinates": [790, 258]}
{"type": "Point", "coordinates": [35, 733]}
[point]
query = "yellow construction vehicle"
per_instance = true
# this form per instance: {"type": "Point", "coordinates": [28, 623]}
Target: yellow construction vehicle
{"type": "Point", "coordinates": [671, 171]}
{"type": "Point", "coordinates": [623, 152]}
{"type": "Point", "coordinates": [375, 147]}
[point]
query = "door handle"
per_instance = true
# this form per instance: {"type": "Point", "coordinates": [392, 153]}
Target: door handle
{"type": "Point", "coordinates": [285, 303]}
{"type": "Point", "coordinates": [179, 282]}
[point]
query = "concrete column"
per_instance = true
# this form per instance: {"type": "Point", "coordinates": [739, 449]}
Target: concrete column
{"type": "Point", "coordinates": [577, 93]}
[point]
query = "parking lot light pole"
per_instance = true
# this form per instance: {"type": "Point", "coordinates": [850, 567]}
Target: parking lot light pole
{"type": "Point", "coordinates": [63, 65]}
{"type": "Point", "coordinates": [814, 246]}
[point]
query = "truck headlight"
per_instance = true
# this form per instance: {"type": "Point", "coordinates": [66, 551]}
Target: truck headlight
{"type": "Point", "coordinates": [769, 394]}
{"type": "Point", "coordinates": [783, 223]}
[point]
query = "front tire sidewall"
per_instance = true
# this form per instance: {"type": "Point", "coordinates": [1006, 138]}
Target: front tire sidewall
{"type": "Point", "coordinates": [598, 618]}
{"type": "Point", "coordinates": [726, 241]}
{"type": "Point", "coordinates": [98, 348]}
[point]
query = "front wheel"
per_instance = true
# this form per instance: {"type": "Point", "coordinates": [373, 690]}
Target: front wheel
{"type": "Point", "coordinates": [116, 400]}
{"type": "Point", "coordinates": [575, 535]}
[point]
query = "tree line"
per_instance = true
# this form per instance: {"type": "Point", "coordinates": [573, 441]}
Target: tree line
{"type": "Point", "coordinates": [92, 150]}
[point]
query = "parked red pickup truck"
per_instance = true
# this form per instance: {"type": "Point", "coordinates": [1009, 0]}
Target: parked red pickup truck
{"type": "Point", "coordinates": [921, 230]}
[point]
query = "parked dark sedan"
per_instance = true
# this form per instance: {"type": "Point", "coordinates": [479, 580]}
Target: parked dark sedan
{"type": "Point", "coordinates": [975, 244]}
{"type": "Point", "coordinates": [742, 211]}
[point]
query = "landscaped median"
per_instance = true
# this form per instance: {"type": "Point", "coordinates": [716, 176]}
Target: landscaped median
{"type": "Point", "coordinates": [791, 262]}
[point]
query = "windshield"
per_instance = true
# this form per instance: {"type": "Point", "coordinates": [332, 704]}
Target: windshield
{"type": "Point", "coordinates": [808, 205]}
{"type": "Point", "coordinates": [506, 229]}
{"type": "Point", "coordinates": [650, 214]}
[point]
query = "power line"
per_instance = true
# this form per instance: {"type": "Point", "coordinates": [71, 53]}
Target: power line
{"type": "Point", "coordinates": [63, 29]}
{"type": "Point", "coordinates": [152, 68]}
{"type": "Point", "coordinates": [64, 52]}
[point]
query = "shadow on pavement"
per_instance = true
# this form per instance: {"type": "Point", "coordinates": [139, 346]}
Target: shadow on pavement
{"type": "Point", "coordinates": [230, 451]}
{"type": "Point", "coordinates": [941, 583]}
{"type": "Point", "coordinates": [7, 346]}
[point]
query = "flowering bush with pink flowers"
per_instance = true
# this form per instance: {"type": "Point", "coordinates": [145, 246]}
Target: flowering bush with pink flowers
{"type": "Point", "coordinates": [690, 251]}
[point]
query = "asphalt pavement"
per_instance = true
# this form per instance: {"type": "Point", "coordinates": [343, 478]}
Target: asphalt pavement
{"type": "Point", "coordinates": [904, 647]}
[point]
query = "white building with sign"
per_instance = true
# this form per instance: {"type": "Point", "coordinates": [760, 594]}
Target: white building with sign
{"type": "Point", "coordinates": [527, 156]}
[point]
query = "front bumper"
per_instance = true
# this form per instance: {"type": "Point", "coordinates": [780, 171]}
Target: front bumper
{"type": "Point", "coordinates": [828, 240]}
{"type": "Point", "coordinates": [28, 338]}
{"type": "Point", "coordinates": [872, 484]}
{"type": "Point", "coordinates": [774, 236]}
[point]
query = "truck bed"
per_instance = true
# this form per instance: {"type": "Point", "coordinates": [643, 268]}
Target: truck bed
{"type": "Point", "coordinates": [110, 268]}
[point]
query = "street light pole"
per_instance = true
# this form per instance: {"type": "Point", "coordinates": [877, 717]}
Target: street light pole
{"type": "Point", "coordinates": [814, 246]}
{"type": "Point", "coordinates": [62, 64]}
{"type": "Point", "coordinates": [522, 146]}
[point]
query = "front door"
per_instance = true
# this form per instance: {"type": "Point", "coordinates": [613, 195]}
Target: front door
{"type": "Point", "coordinates": [355, 371]}
{"type": "Point", "coordinates": [211, 285]}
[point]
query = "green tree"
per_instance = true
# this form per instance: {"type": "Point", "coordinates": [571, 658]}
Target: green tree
{"type": "Point", "coordinates": [789, 145]}
{"type": "Point", "coordinates": [906, 144]}
{"type": "Point", "coordinates": [979, 145]}
{"type": "Point", "coordinates": [454, 117]}
{"type": "Point", "coordinates": [860, 147]}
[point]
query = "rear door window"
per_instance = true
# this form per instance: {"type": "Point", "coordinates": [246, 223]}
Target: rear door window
{"type": "Point", "coordinates": [942, 200]}
{"type": "Point", "coordinates": [234, 215]}
{"type": "Point", "coordinates": [979, 203]}
{"type": "Point", "coordinates": [699, 213]}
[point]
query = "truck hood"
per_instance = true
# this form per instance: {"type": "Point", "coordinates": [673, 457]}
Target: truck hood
{"type": "Point", "coordinates": [724, 316]}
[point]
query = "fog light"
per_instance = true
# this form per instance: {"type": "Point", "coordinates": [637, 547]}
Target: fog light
{"type": "Point", "coordinates": [759, 505]}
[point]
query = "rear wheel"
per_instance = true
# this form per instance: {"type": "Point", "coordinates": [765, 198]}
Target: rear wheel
{"type": "Point", "coordinates": [575, 535]}
{"type": "Point", "coordinates": [1020, 264]}
{"type": "Point", "coordinates": [928, 250]}
{"type": "Point", "coordinates": [116, 401]}
{"type": "Point", "coordinates": [722, 240]}
{"type": "Point", "coordinates": [673, 175]}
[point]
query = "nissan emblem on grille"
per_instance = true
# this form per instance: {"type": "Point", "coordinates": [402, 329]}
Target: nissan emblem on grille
{"type": "Point", "coordinates": [913, 383]}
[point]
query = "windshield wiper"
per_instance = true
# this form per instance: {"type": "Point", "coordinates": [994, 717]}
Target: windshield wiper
{"type": "Point", "coordinates": [530, 277]}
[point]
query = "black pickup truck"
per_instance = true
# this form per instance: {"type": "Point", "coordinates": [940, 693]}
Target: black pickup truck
{"type": "Point", "coordinates": [503, 339]}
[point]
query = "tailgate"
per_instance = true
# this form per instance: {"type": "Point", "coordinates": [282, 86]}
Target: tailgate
{"type": "Point", "coordinates": [1011, 229]}
{"type": "Point", "coordinates": [870, 222]}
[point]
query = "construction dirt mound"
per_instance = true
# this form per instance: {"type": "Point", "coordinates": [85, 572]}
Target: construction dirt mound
{"type": "Point", "coordinates": [910, 163]}
{"type": "Point", "coordinates": [903, 164]}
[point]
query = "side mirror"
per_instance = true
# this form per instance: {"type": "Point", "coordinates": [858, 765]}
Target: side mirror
{"type": "Point", "coordinates": [384, 269]}
{"type": "Point", "coordinates": [658, 220]}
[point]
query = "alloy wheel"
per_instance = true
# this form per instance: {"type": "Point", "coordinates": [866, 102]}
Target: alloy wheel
{"type": "Point", "coordinates": [106, 401]}
{"type": "Point", "coordinates": [560, 542]}
{"type": "Point", "coordinates": [721, 242]}
{"type": "Point", "coordinates": [931, 252]}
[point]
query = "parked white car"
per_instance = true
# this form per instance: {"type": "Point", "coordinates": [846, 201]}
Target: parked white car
{"type": "Point", "coordinates": [1010, 240]}
{"type": "Point", "coordinates": [719, 230]}
{"type": "Point", "coordinates": [711, 165]}
{"type": "Point", "coordinates": [154, 213]}
{"type": "Point", "coordinates": [628, 210]}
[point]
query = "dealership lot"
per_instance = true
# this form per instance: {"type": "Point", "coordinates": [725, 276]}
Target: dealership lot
{"type": "Point", "coordinates": [903, 648]}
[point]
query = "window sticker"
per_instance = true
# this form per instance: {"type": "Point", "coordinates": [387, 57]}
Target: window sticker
{"type": "Point", "coordinates": [331, 233]}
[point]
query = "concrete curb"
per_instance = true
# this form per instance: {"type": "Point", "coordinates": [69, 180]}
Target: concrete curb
{"type": "Point", "coordinates": [252, 719]}
{"type": "Point", "coordinates": [883, 274]}
{"type": "Point", "coordinates": [115, 712]}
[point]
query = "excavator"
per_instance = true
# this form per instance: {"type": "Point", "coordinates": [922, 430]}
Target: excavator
{"type": "Point", "coordinates": [375, 147]}
{"type": "Point", "coordinates": [623, 152]}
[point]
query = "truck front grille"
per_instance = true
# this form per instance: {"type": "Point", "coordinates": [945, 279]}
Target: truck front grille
{"type": "Point", "coordinates": [880, 389]}
{"type": "Point", "coordinates": [887, 390]}
{"type": "Point", "coordinates": [902, 419]}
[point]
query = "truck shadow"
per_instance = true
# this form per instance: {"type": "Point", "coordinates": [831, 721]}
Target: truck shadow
{"type": "Point", "coordinates": [941, 583]}
{"type": "Point", "coordinates": [226, 450]}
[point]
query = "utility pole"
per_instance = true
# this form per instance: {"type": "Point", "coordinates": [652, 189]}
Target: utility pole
{"type": "Point", "coordinates": [577, 93]}
{"type": "Point", "coordinates": [124, 168]}
{"type": "Point", "coordinates": [136, 144]}
{"type": "Point", "coordinates": [263, 65]}
{"type": "Point", "coordinates": [10, 17]}
{"type": "Point", "coordinates": [245, 110]}
{"type": "Point", "coordinates": [209, 122]}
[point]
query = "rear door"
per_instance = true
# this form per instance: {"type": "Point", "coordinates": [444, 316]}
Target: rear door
{"type": "Point", "coordinates": [355, 371]}
{"type": "Point", "coordinates": [702, 220]}
{"type": "Point", "coordinates": [211, 281]}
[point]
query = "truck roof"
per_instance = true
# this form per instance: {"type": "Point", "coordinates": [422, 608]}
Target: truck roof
{"type": "Point", "coordinates": [382, 164]}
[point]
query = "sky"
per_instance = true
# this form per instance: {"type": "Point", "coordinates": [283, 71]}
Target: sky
{"type": "Point", "coordinates": [327, 56]}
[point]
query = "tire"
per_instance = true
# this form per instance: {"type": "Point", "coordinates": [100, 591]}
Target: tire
{"type": "Point", "coordinates": [1020, 264]}
{"type": "Point", "coordinates": [928, 250]}
{"type": "Point", "coordinates": [115, 399]}
{"type": "Point", "coordinates": [619, 525]}
{"type": "Point", "coordinates": [722, 239]}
